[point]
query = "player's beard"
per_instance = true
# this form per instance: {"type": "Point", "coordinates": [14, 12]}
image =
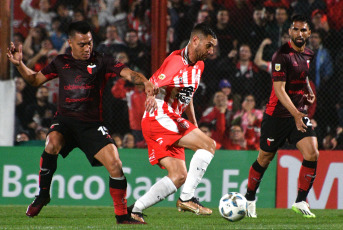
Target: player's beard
{"type": "Point", "coordinates": [299, 44]}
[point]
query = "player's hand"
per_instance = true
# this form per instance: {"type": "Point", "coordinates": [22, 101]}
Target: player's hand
{"type": "Point", "coordinates": [15, 55]}
{"type": "Point", "coordinates": [150, 104]}
{"type": "Point", "coordinates": [150, 89]}
{"type": "Point", "coordinates": [310, 98]}
{"type": "Point", "coordinates": [299, 122]}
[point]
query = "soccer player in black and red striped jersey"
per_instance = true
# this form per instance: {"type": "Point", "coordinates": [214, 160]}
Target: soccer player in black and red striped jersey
{"type": "Point", "coordinates": [78, 122]}
{"type": "Point", "coordinates": [285, 117]}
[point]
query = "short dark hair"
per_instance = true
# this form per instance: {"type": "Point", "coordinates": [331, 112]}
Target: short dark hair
{"type": "Point", "coordinates": [301, 18]}
{"type": "Point", "coordinates": [78, 27]}
{"type": "Point", "coordinates": [205, 29]}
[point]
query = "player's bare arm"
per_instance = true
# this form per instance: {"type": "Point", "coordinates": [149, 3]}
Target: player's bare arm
{"type": "Point", "coordinates": [150, 89]}
{"type": "Point", "coordinates": [191, 114]}
{"type": "Point", "coordinates": [279, 87]}
{"type": "Point", "coordinates": [15, 56]}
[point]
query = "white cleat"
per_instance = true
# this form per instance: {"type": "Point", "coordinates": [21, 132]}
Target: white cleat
{"type": "Point", "coordinates": [251, 209]}
{"type": "Point", "coordinates": [303, 208]}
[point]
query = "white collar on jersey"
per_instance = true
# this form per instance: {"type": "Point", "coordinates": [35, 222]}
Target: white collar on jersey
{"type": "Point", "coordinates": [185, 57]}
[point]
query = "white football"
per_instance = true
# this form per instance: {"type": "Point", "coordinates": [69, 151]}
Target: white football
{"type": "Point", "coordinates": [233, 206]}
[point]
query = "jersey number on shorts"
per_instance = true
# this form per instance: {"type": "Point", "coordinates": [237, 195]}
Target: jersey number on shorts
{"type": "Point", "coordinates": [185, 94]}
{"type": "Point", "coordinates": [308, 121]}
{"type": "Point", "coordinates": [103, 130]}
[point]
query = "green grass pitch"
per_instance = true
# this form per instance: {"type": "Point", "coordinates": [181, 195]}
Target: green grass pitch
{"type": "Point", "coordinates": [82, 217]}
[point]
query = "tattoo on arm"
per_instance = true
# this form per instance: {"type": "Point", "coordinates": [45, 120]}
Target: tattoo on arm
{"type": "Point", "coordinates": [136, 78]}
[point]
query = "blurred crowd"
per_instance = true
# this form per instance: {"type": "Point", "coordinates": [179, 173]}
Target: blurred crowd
{"type": "Point", "coordinates": [236, 82]}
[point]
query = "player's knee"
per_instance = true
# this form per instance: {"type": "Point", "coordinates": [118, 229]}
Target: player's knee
{"type": "Point", "coordinates": [180, 179]}
{"type": "Point", "coordinates": [52, 148]}
{"type": "Point", "coordinates": [209, 145]}
{"type": "Point", "coordinates": [314, 155]}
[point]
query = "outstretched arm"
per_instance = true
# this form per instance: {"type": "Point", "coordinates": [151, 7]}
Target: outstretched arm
{"type": "Point", "coordinates": [150, 89]}
{"type": "Point", "coordinates": [15, 56]}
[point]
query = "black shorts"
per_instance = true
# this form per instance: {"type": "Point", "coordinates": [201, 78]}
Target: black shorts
{"type": "Point", "coordinates": [276, 130]}
{"type": "Point", "coordinates": [90, 137]}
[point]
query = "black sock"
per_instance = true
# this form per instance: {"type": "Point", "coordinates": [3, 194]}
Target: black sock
{"type": "Point", "coordinates": [48, 166]}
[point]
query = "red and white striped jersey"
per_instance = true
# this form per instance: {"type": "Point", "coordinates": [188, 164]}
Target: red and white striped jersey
{"type": "Point", "coordinates": [177, 81]}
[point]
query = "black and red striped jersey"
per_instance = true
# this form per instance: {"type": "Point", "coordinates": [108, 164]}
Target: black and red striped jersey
{"type": "Point", "coordinates": [292, 67]}
{"type": "Point", "coordinates": [82, 83]}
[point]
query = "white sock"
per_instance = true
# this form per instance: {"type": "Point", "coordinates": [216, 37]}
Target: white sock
{"type": "Point", "coordinates": [158, 192]}
{"type": "Point", "coordinates": [197, 168]}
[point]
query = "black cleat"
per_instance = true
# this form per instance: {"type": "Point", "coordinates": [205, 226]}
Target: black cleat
{"type": "Point", "coordinates": [126, 219]}
{"type": "Point", "coordinates": [36, 206]}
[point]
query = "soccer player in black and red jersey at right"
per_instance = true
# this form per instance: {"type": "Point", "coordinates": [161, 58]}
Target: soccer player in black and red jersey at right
{"type": "Point", "coordinates": [285, 117]}
{"type": "Point", "coordinates": [78, 122]}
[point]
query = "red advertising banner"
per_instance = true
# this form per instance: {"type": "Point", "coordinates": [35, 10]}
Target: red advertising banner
{"type": "Point", "coordinates": [327, 190]}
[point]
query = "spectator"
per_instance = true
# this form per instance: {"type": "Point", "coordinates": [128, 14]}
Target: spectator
{"type": "Point", "coordinates": [118, 140]}
{"type": "Point", "coordinates": [79, 15]}
{"type": "Point", "coordinates": [275, 29]}
{"type": "Point", "coordinates": [249, 117]}
{"type": "Point", "coordinates": [207, 129]}
{"type": "Point", "coordinates": [41, 17]}
{"type": "Point", "coordinates": [33, 42]}
{"type": "Point", "coordinates": [135, 98]}
{"type": "Point", "coordinates": [113, 43]}
{"type": "Point", "coordinates": [63, 16]}
{"type": "Point", "coordinates": [218, 116]}
{"type": "Point", "coordinates": [57, 37]}
{"type": "Point", "coordinates": [22, 137]}
{"type": "Point", "coordinates": [241, 11]}
{"type": "Point", "coordinates": [39, 61]}
{"type": "Point", "coordinates": [337, 141]}
{"type": "Point", "coordinates": [321, 69]}
{"type": "Point", "coordinates": [139, 19]}
{"type": "Point", "coordinates": [114, 12]}
{"type": "Point", "coordinates": [321, 23]}
{"type": "Point", "coordinates": [225, 32]}
{"type": "Point", "coordinates": [24, 96]}
{"type": "Point", "coordinates": [41, 133]}
{"type": "Point", "coordinates": [40, 113]}
{"type": "Point", "coordinates": [306, 7]}
{"type": "Point", "coordinates": [137, 51]}
{"type": "Point", "coordinates": [244, 75]}
{"type": "Point", "coordinates": [233, 100]}
{"type": "Point", "coordinates": [256, 31]}
{"type": "Point", "coordinates": [129, 141]}
{"type": "Point", "coordinates": [334, 10]}
{"type": "Point", "coordinates": [238, 141]}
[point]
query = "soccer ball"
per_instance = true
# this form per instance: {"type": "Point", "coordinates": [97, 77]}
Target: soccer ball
{"type": "Point", "coordinates": [233, 206]}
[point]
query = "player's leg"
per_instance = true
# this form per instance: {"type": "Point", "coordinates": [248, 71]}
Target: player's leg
{"type": "Point", "coordinates": [48, 166]}
{"type": "Point", "coordinates": [177, 173]}
{"type": "Point", "coordinates": [308, 146]}
{"type": "Point", "coordinates": [256, 173]}
{"type": "Point", "coordinates": [109, 157]}
{"type": "Point", "coordinates": [204, 148]}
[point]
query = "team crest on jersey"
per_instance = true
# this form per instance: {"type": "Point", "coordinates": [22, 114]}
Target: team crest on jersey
{"type": "Point", "coordinates": [308, 63]}
{"type": "Point", "coordinates": [162, 76]}
{"type": "Point", "coordinates": [277, 67]}
{"type": "Point", "coordinates": [91, 68]}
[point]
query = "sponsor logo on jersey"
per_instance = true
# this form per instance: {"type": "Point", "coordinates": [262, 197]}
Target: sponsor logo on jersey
{"type": "Point", "coordinates": [277, 67]}
{"type": "Point", "coordinates": [91, 68]}
{"type": "Point", "coordinates": [53, 125]}
{"type": "Point", "coordinates": [78, 78]}
{"type": "Point", "coordinates": [161, 76]}
{"type": "Point", "coordinates": [66, 66]}
{"type": "Point", "coordinates": [269, 140]}
{"type": "Point", "coordinates": [159, 140]}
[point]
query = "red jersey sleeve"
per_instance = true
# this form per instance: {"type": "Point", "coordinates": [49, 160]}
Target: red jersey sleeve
{"type": "Point", "coordinates": [50, 71]}
{"type": "Point", "coordinates": [279, 67]}
{"type": "Point", "coordinates": [113, 67]}
{"type": "Point", "coordinates": [165, 74]}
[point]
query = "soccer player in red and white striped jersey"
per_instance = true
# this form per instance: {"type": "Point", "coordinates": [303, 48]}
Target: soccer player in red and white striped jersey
{"type": "Point", "coordinates": [167, 133]}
